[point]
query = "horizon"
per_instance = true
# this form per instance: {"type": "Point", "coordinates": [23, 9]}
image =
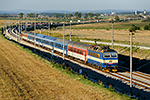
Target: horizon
{"type": "Point", "coordinates": [78, 5]}
{"type": "Point", "coordinates": [67, 11]}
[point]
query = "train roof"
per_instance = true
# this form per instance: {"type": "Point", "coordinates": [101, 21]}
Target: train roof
{"type": "Point", "coordinates": [30, 33]}
{"type": "Point", "coordinates": [41, 35]}
{"type": "Point", "coordinates": [58, 40]}
{"type": "Point", "coordinates": [101, 48]}
{"type": "Point", "coordinates": [50, 38]}
{"type": "Point", "coordinates": [26, 32]}
{"type": "Point", "coordinates": [78, 45]}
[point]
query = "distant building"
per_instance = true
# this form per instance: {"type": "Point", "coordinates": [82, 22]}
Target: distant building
{"type": "Point", "coordinates": [113, 13]}
{"type": "Point", "coordinates": [144, 16]}
{"type": "Point", "coordinates": [135, 12]}
{"type": "Point", "coordinates": [140, 13]}
{"type": "Point", "coordinates": [102, 14]}
{"type": "Point", "coordinates": [144, 11]}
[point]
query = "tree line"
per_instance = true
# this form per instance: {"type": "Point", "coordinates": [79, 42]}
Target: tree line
{"type": "Point", "coordinates": [77, 15]}
{"type": "Point", "coordinates": [28, 15]}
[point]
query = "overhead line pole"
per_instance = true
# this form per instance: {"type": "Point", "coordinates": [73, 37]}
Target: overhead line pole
{"type": "Point", "coordinates": [63, 43]}
{"type": "Point", "coordinates": [112, 35]}
{"type": "Point", "coordinates": [21, 22]}
{"type": "Point", "coordinates": [131, 64]}
{"type": "Point", "coordinates": [48, 28]}
{"type": "Point", "coordinates": [40, 26]}
{"type": "Point", "coordinates": [19, 30]}
{"type": "Point", "coordinates": [35, 30]}
{"type": "Point", "coordinates": [3, 26]}
{"type": "Point", "coordinates": [70, 30]}
{"type": "Point", "coordinates": [26, 25]}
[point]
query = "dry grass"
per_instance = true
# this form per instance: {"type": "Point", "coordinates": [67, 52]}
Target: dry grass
{"type": "Point", "coordinates": [22, 76]}
{"type": "Point", "coordinates": [3, 22]}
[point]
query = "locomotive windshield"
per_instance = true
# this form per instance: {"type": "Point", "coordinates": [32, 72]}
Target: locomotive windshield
{"type": "Point", "coordinates": [114, 55]}
{"type": "Point", "coordinates": [110, 55]}
{"type": "Point", "coordinates": [106, 55]}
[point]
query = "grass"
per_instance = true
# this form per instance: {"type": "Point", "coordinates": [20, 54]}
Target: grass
{"type": "Point", "coordinates": [74, 75]}
{"type": "Point", "coordinates": [107, 25]}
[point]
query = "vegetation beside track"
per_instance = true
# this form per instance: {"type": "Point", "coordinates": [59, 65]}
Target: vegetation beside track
{"type": "Point", "coordinates": [32, 77]}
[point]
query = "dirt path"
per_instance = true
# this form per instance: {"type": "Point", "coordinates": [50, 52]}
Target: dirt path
{"type": "Point", "coordinates": [22, 76]}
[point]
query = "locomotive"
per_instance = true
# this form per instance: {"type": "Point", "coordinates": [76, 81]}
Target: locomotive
{"type": "Point", "coordinates": [99, 56]}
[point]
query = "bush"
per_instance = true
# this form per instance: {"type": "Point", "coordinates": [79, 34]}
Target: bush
{"type": "Point", "coordinates": [133, 28]}
{"type": "Point", "coordinates": [146, 20]}
{"type": "Point", "coordinates": [147, 27]}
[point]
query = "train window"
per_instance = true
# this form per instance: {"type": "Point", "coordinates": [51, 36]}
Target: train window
{"type": "Point", "coordinates": [71, 49]}
{"type": "Point", "coordinates": [46, 42]}
{"type": "Point", "coordinates": [51, 43]}
{"type": "Point", "coordinates": [106, 55]}
{"type": "Point", "coordinates": [77, 50]}
{"type": "Point", "coordinates": [32, 38]}
{"type": "Point", "coordinates": [39, 40]}
{"type": "Point", "coordinates": [65, 47]}
{"type": "Point", "coordinates": [114, 55]}
{"type": "Point", "coordinates": [58, 45]}
{"type": "Point", "coordinates": [81, 52]}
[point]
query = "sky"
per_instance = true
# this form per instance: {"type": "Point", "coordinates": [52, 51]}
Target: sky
{"type": "Point", "coordinates": [74, 5]}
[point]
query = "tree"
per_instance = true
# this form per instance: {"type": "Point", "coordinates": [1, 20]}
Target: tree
{"type": "Point", "coordinates": [133, 28]}
{"type": "Point", "coordinates": [70, 15]}
{"type": "Point", "coordinates": [147, 27]}
{"type": "Point", "coordinates": [97, 15]}
{"type": "Point", "coordinates": [117, 18]}
{"type": "Point", "coordinates": [36, 14]}
{"type": "Point", "coordinates": [146, 20]}
{"type": "Point", "coordinates": [28, 15]}
{"type": "Point", "coordinates": [85, 15]}
{"type": "Point", "coordinates": [21, 15]}
{"type": "Point", "coordinates": [76, 14]}
{"type": "Point", "coordinates": [63, 16]}
{"type": "Point", "coordinates": [91, 15]}
{"type": "Point", "coordinates": [79, 15]}
{"type": "Point", "coordinates": [57, 15]}
{"type": "Point", "coordinates": [31, 14]}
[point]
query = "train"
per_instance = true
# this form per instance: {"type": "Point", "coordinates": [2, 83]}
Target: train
{"type": "Point", "coordinates": [99, 56]}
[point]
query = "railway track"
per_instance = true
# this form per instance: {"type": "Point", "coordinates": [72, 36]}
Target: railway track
{"type": "Point", "coordinates": [140, 80]}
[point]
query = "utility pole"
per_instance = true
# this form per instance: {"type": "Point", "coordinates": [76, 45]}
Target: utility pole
{"type": "Point", "coordinates": [63, 43]}
{"type": "Point", "coordinates": [40, 26]}
{"type": "Point", "coordinates": [6, 26]}
{"type": "Point", "coordinates": [31, 23]}
{"type": "Point", "coordinates": [26, 25]}
{"type": "Point", "coordinates": [3, 26]}
{"type": "Point", "coordinates": [20, 25]}
{"type": "Point", "coordinates": [48, 28]}
{"type": "Point", "coordinates": [112, 35]}
{"type": "Point", "coordinates": [19, 31]}
{"type": "Point", "coordinates": [9, 24]}
{"type": "Point", "coordinates": [16, 28]}
{"type": "Point", "coordinates": [70, 29]}
{"type": "Point", "coordinates": [35, 30]}
{"type": "Point", "coordinates": [16, 23]}
{"type": "Point", "coordinates": [131, 64]}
